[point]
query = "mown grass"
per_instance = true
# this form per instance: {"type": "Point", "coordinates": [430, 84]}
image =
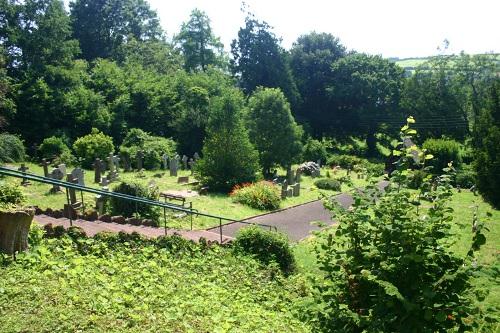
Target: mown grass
{"type": "Point", "coordinates": [214, 203]}
{"type": "Point", "coordinates": [465, 204]}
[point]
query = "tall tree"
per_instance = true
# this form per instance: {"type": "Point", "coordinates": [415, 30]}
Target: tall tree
{"type": "Point", "coordinates": [272, 129]}
{"type": "Point", "coordinates": [198, 44]}
{"type": "Point", "coordinates": [228, 156]}
{"type": "Point", "coordinates": [366, 92]}
{"type": "Point", "coordinates": [103, 26]}
{"type": "Point", "coordinates": [259, 60]}
{"type": "Point", "coordinates": [35, 34]}
{"type": "Point", "coordinates": [311, 59]}
{"type": "Point", "coordinates": [437, 99]}
{"type": "Point", "coordinates": [487, 152]}
{"type": "Point", "coordinates": [7, 105]}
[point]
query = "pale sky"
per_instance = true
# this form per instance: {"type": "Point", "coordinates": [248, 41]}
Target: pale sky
{"type": "Point", "coordinates": [391, 28]}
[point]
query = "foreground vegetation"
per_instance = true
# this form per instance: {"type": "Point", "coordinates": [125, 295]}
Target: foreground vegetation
{"type": "Point", "coordinates": [127, 286]}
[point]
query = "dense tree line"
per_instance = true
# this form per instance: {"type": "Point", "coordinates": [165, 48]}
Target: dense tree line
{"type": "Point", "coordinates": [108, 65]}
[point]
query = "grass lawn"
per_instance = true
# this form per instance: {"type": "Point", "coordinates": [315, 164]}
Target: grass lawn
{"type": "Point", "coordinates": [213, 203]}
{"type": "Point", "coordinates": [464, 205]}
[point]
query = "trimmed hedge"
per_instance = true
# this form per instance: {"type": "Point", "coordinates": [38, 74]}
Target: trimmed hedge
{"type": "Point", "coordinates": [444, 152]}
{"type": "Point", "coordinates": [266, 246]}
{"type": "Point", "coordinates": [127, 208]}
{"type": "Point", "coordinates": [328, 184]}
{"type": "Point", "coordinates": [11, 149]}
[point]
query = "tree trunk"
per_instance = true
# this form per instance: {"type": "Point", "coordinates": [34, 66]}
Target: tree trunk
{"type": "Point", "coordinates": [371, 143]}
{"type": "Point", "coordinates": [14, 229]}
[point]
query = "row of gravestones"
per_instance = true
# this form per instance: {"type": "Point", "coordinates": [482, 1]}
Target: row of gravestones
{"type": "Point", "coordinates": [112, 165]}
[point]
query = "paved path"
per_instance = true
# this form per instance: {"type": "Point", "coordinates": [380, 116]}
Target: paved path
{"type": "Point", "coordinates": [92, 228]}
{"type": "Point", "coordinates": [296, 221]}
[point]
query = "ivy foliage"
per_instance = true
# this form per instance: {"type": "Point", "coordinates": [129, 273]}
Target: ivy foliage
{"type": "Point", "coordinates": [388, 267]}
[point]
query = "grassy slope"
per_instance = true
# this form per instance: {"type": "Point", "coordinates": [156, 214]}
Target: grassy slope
{"type": "Point", "coordinates": [464, 205]}
{"type": "Point", "coordinates": [215, 204]}
{"type": "Point", "coordinates": [150, 290]}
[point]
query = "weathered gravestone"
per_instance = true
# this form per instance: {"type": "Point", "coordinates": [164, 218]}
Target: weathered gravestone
{"type": "Point", "coordinates": [183, 180]}
{"type": "Point", "coordinates": [289, 175]}
{"type": "Point", "coordinates": [296, 189]}
{"type": "Point", "coordinates": [138, 159]}
{"type": "Point", "coordinates": [283, 189]}
{"type": "Point", "coordinates": [298, 175]}
{"type": "Point", "coordinates": [184, 162]}
{"type": "Point", "coordinates": [79, 175]}
{"type": "Point", "coordinates": [45, 165]}
{"type": "Point", "coordinates": [164, 159]}
{"type": "Point", "coordinates": [99, 168]}
{"type": "Point", "coordinates": [56, 174]}
{"type": "Point", "coordinates": [116, 162]}
{"type": "Point", "coordinates": [196, 156]}
{"type": "Point", "coordinates": [126, 162]}
{"type": "Point", "coordinates": [191, 165]}
{"type": "Point", "coordinates": [70, 209]}
{"type": "Point", "coordinates": [62, 167]}
{"type": "Point", "coordinates": [174, 166]}
{"type": "Point", "coordinates": [289, 192]}
{"type": "Point", "coordinates": [23, 168]}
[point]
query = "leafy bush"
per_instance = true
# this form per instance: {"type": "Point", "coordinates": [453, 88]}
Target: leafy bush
{"type": "Point", "coordinates": [92, 146]}
{"type": "Point", "coordinates": [11, 149]}
{"type": "Point", "coordinates": [266, 246]}
{"type": "Point", "coordinates": [314, 150]}
{"type": "Point", "coordinates": [11, 196]}
{"type": "Point", "coordinates": [374, 169]}
{"type": "Point", "coordinates": [153, 147]}
{"type": "Point", "coordinates": [344, 161]}
{"type": "Point", "coordinates": [55, 148]}
{"type": "Point", "coordinates": [416, 178]}
{"type": "Point", "coordinates": [261, 195]}
{"type": "Point", "coordinates": [465, 176]}
{"type": "Point", "coordinates": [444, 152]}
{"type": "Point", "coordinates": [328, 184]}
{"type": "Point", "coordinates": [389, 266]}
{"type": "Point", "coordinates": [127, 208]}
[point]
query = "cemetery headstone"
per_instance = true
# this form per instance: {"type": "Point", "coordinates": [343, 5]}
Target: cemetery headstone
{"type": "Point", "coordinates": [111, 163]}
{"type": "Point", "coordinates": [283, 189]}
{"type": "Point", "coordinates": [174, 165]}
{"type": "Point", "coordinates": [23, 168]}
{"type": "Point", "coordinates": [298, 176]}
{"type": "Point", "coordinates": [139, 156]}
{"type": "Point", "coordinates": [56, 174]}
{"type": "Point", "coordinates": [116, 162]}
{"type": "Point", "coordinates": [191, 165]}
{"type": "Point", "coordinates": [319, 163]}
{"type": "Point", "coordinates": [183, 180]}
{"type": "Point", "coordinates": [126, 162]}
{"type": "Point", "coordinates": [289, 192]}
{"type": "Point", "coordinates": [289, 175]}
{"type": "Point", "coordinates": [72, 193]}
{"type": "Point", "coordinates": [79, 175]}
{"type": "Point", "coordinates": [184, 162]}
{"type": "Point", "coordinates": [196, 156]}
{"type": "Point", "coordinates": [62, 167]}
{"type": "Point", "coordinates": [104, 181]}
{"type": "Point", "coordinates": [165, 161]}
{"type": "Point", "coordinates": [45, 165]}
{"type": "Point", "coordinates": [296, 189]}
{"type": "Point", "coordinates": [97, 170]}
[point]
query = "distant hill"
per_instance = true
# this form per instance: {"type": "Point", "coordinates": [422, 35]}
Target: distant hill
{"type": "Point", "coordinates": [411, 63]}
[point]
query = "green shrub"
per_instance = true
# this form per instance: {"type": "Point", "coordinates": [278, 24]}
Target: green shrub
{"type": "Point", "coordinates": [153, 147]}
{"type": "Point", "coordinates": [465, 176]}
{"type": "Point", "coordinates": [444, 152]}
{"type": "Point", "coordinates": [92, 146]}
{"type": "Point", "coordinates": [11, 196]}
{"type": "Point", "coordinates": [261, 195]}
{"type": "Point", "coordinates": [388, 266]}
{"type": "Point", "coordinates": [374, 169]}
{"type": "Point", "coordinates": [55, 148]}
{"type": "Point", "coordinates": [328, 184]}
{"type": "Point", "coordinates": [344, 161]}
{"type": "Point", "coordinates": [128, 208]}
{"type": "Point", "coordinates": [314, 150]}
{"type": "Point", "coordinates": [266, 246]}
{"type": "Point", "coordinates": [11, 149]}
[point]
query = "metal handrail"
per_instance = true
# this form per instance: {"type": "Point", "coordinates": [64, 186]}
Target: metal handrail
{"type": "Point", "coordinates": [33, 177]}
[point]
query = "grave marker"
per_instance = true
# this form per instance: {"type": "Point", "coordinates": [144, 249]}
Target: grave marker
{"type": "Point", "coordinates": [79, 175]}
{"type": "Point", "coordinates": [56, 174]}
{"type": "Point", "coordinates": [45, 165]}
{"type": "Point", "coordinates": [138, 157]}
{"type": "Point", "coordinates": [23, 168]}
{"type": "Point", "coordinates": [184, 162]}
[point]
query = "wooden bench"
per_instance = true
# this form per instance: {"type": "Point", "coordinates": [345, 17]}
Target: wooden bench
{"type": "Point", "coordinates": [167, 196]}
